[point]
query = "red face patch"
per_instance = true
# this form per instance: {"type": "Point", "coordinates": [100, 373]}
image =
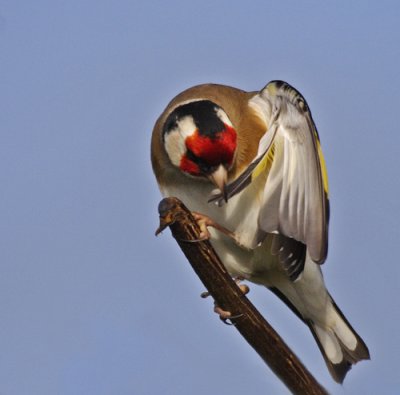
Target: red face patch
{"type": "Point", "coordinates": [188, 166]}
{"type": "Point", "coordinates": [214, 151]}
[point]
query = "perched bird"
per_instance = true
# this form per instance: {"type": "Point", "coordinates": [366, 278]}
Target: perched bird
{"type": "Point", "coordinates": [250, 165]}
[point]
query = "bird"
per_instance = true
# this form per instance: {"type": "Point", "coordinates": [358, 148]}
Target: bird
{"type": "Point", "coordinates": [250, 165]}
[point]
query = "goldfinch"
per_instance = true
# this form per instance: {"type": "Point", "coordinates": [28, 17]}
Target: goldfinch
{"type": "Point", "coordinates": [251, 163]}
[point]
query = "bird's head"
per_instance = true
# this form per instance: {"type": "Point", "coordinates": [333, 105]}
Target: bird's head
{"type": "Point", "coordinates": [200, 140]}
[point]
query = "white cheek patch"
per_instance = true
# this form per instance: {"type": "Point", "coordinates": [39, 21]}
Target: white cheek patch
{"type": "Point", "coordinates": [175, 146]}
{"type": "Point", "coordinates": [223, 117]}
{"type": "Point", "coordinates": [186, 126]}
{"type": "Point", "coordinates": [174, 140]}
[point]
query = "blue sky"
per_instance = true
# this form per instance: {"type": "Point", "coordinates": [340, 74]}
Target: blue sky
{"type": "Point", "coordinates": [90, 301]}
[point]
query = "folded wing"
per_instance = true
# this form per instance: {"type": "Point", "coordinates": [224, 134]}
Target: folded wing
{"type": "Point", "coordinates": [295, 199]}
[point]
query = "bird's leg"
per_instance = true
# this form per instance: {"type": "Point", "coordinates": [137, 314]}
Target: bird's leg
{"type": "Point", "coordinates": [223, 314]}
{"type": "Point", "coordinates": [204, 221]}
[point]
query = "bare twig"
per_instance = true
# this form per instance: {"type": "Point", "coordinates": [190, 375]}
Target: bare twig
{"type": "Point", "coordinates": [246, 319]}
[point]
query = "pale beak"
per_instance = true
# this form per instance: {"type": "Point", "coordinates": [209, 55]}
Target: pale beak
{"type": "Point", "coordinates": [219, 179]}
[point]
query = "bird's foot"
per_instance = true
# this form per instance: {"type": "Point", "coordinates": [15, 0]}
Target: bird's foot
{"type": "Point", "coordinates": [204, 222]}
{"type": "Point", "coordinates": [243, 287]}
{"type": "Point", "coordinates": [238, 279]}
{"type": "Point", "coordinates": [225, 315]}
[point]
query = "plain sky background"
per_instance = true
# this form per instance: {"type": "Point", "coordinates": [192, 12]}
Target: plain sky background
{"type": "Point", "coordinates": [91, 302]}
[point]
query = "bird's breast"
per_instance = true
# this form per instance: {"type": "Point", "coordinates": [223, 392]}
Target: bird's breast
{"type": "Point", "coordinates": [239, 215]}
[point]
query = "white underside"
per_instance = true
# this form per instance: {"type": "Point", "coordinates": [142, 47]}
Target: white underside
{"type": "Point", "coordinates": [308, 293]}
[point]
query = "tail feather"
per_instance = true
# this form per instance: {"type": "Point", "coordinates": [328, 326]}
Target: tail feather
{"type": "Point", "coordinates": [338, 342]}
{"type": "Point", "coordinates": [340, 345]}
